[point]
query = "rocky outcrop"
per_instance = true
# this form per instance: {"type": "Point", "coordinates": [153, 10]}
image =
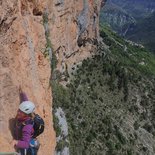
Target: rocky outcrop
{"type": "Point", "coordinates": [74, 28]}
{"type": "Point", "coordinates": [73, 31]}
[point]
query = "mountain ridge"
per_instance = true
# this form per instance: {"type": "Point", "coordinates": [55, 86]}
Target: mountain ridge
{"type": "Point", "coordinates": [143, 32]}
{"type": "Point", "coordinates": [135, 14]}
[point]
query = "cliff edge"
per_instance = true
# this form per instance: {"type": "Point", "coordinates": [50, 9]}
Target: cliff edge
{"type": "Point", "coordinates": [72, 28]}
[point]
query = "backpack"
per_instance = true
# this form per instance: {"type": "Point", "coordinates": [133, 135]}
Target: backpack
{"type": "Point", "coordinates": [38, 126]}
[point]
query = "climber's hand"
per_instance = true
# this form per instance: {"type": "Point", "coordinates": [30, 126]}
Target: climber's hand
{"type": "Point", "coordinates": [14, 143]}
{"type": "Point", "coordinates": [20, 89]}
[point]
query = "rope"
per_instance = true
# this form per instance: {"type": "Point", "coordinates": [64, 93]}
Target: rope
{"type": "Point", "coordinates": [8, 153]}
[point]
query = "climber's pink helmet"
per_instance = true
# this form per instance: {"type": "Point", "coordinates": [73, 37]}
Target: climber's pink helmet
{"type": "Point", "coordinates": [27, 107]}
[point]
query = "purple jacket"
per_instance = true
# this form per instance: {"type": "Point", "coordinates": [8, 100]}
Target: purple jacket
{"type": "Point", "coordinates": [23, 135]}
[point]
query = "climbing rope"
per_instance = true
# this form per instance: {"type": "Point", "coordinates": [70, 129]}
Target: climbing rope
{"type": "Point", "coordinates": [8, 153]}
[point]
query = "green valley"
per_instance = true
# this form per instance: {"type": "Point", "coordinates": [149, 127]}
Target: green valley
{"type": "Point", "coordinates": [108, 100]}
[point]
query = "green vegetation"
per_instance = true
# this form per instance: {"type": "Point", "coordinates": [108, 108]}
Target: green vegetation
{"type": "Point", "coordinates": [48, 52]}
{"type": "Point", "coordinates": [133, 57]}
{"type": "Point", "coordinates": [104, 99]}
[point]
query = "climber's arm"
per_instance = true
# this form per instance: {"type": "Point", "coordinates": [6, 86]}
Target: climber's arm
{"type": "Point", "coordinates": [23, 96]}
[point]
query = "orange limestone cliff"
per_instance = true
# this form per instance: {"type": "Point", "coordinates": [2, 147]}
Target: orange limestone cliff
{"type": "Point", "coordinates": [72, 27]}
{"type": "Point", "coordinates": [22, 40]}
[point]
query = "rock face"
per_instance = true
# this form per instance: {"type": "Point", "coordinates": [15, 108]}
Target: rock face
{"type": "Point", "coordinates": [23, 64]}
{"type": "Point", "coordinates": [73, 28]}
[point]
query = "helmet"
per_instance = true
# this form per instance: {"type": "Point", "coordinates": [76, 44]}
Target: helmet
{"type": "Point", "coordinates": [27, 107]}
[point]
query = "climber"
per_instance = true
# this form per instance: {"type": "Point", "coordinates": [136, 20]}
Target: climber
{"type": "Point", "coordinates": [23, 142]}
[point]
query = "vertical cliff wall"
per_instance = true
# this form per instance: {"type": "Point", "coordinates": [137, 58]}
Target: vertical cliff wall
{"type": "Point", "coordinates": [73, 29]}
{"type": "Point", "coordinates": [22, 63]}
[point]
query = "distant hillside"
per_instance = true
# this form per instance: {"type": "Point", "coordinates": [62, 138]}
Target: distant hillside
{"type": "Point", "coordinates": [132, 19]}
{"type": "Point", "coordinates": [108, 101]}
{"type": "Point", "coordinates": [136, 8]}
{"type": "Point", "coordinates": [116, 17]}
{"type": "Point", "coordinates": [143, 32]}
